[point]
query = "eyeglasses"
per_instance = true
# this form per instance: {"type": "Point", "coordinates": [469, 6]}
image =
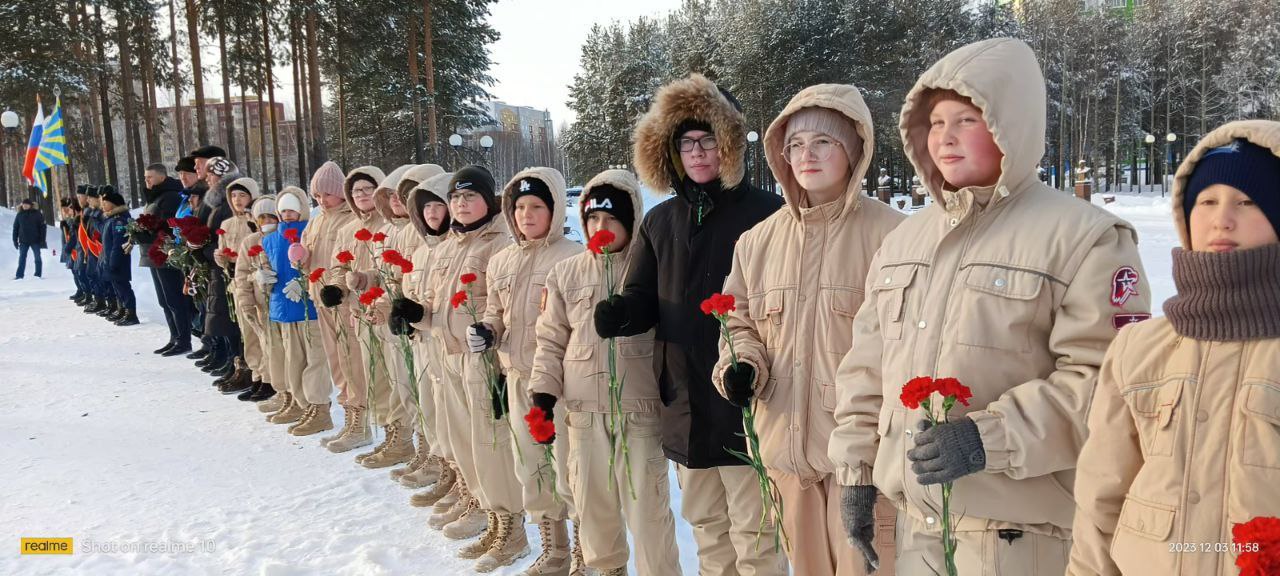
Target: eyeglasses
{"type": "Point", "coordinates": [705, 142]}
{"type": "Point", "coordinates": [362, 190]}
{"type": "Point", "coordinates": [464, 196]}
{"type": "Point", "coordinates": [819, 149]}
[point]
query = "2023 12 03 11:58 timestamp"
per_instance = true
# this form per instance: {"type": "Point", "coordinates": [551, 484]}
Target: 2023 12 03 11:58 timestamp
{"type": "Point", "coordinates": [1213, 547]}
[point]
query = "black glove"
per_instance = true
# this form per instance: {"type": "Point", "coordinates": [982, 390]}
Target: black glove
{"type": "Point", "coordinates": [399, 327]}
{"type": "Point", "coordinates": [857, 512]}
{"type": "Point", "coordinates": [479, 338]}
{"type": "Point", "coordinates": [947, 452]}
{"type": "Point", "coordinates": [739, 383]}
{"type": "Point", "coordinates": [547, 403]}
{"type": "Point", "coordinates": [330, 295]}
{"type": "Point", "coordinates": [407, 311]}
{"type": "Point", "coordinates": [498, 397]}
{"type": "Point", "coordinates": [610, 316]}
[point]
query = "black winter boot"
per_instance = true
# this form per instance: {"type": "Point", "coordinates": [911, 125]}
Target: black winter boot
{"type": "Point", "coordinates": [221, 369]}
{"type": "Point", "coordinates": [129, 318]}
{"type": "Point", "coordinates": [202, 352]}
{"type": "Point", "coordinates": [264, 392]}
{"type": "Point", "coordinates": [109, 309]}
{"type": "Point", "coordinates": [95, 304]}
{"type": "Point", "coordinates": [247, 395]}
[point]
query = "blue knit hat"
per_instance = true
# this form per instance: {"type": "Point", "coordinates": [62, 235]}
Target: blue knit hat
{"type": "Point", "coordinates": [1245, 166]}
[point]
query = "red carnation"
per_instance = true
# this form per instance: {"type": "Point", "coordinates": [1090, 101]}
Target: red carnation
{"type": "Point", "coordinates": [364, 235]}
{"type": "Point", "coordinates": [405, 266]}
{"type": "Point", "coordinates": [458, 299]}
{"type": "Point", "coordinates": [468, 278]}
{"type": "Point", "coordinates": [600, 241]}
{"type": "Point", "coordinates": [229, 253]}
{"type": "Point", "coordinates": [718, 305]}
{"type": "Point", "coordinates": [345, 257]}
{"type": "Point", "coordinates": [540, 428]}
{"type": "Point", "coordinates": [150, 222]}
{"type": "Point", "coordinates": [255, 250]}
{"type": "Point", "coordinates": [221, 232]}
{"type": "Point", "coordinates": [953, 387]}
{"type": "Point", "coordinates": [916, 390]}
{"type": "Point", "coordinates": [291, 235]}
{"type": "Point", "coordinates": [392, 257]}
{"type": "Point", "coordinates": [1259, 546]}
{"type": "Point", "coordinates": [316, 275]}
{"type": "Point", "coordinates": [196, 235]}
{"type": "Point", "coordinates": [371, 295]}
{"type": "Point", "coordinates": [379, 237]}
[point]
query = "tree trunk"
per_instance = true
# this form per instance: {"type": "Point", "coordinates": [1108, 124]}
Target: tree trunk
{"type": "Point", "coordinates": [228, 117]}
{"type": "Point", "coordinates": [271, 96]}
{"type": "Point", "coordinates": [320, 151]}
{"type": "Point", "coordinates": [179, 127]}
{"type": "Point", "coordinates": [429, 72]}
{"type": "Point", "coordinates": [197, 75]}
{"type": "Point", "coordinates": [262, 139]}
{"type": "Point", "coordinates": [414, 86]}
{"type": "Point", "coordinates": [88, 117]}
{"type": "Point", "coordinates": [126, 95]}
{"type": "Point", "coordinates": [342, 120]}
{"type": "Point", "coordinates": [109, 139]}
{"type": "Point", "coordinates": [299, 103]}
{"type": "Point", "coordinates": [151, 119]}
{"type": "Point", "coordinates": [244, 124]}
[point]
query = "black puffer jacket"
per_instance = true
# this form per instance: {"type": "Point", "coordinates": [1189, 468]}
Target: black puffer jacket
{"type": "Point", "coordinates": [680, 259]}
{"type": "Point", "coordinates": [162, 202]}
{"type": "Point", "coordinates": [217, 319]}
{"type": "Point", "coordinates": [28, 228]}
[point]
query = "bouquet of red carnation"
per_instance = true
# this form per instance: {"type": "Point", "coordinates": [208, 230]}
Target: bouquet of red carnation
{"type": "Point", "coordinates": [543, 432]}
{"type": "Point", "coordinates": [617, 424]}
{"type": "Point", "coordinates": [918, 393]}
{"type": "Point", "coordinates": [144, 229]}
{"type": "Point", "coordinates": [465, 300]}
{"type": "Point", "coordinates": [1257, 545]}
{"type": "Point", "coordinates": [719, 306]}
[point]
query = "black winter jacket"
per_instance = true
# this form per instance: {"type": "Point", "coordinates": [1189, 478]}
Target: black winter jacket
{"type": "Point", "coordinates": [28, 228]}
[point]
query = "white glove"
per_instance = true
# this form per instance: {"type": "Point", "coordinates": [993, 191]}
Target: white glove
{"type": "Point", "coordinates": [265, 277]}
{"type": "Point", "coordinates": [356, 281]}
{"type": "Point", "coordinates": [293, 291]}
{"type": "Point", "coordinates": [475, 342]}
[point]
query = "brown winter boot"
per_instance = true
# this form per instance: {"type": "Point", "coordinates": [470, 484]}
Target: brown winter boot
{"type": "Point", "coordinates": [398, 450]}
{"type": "Point", "coordinates": [273, 403]}
{"type": "Point", "coordinates": [318, 422]}
{"type": "Point", "coordinates": [554, 560]}
{"type": "Point", "coordinates": [425, 475]}
{"type": "Point", "coordinates": [469, 525]}
{"type": "Point", "coordinates": [511, 544]}
{"type": "Point", "coordinates": [480, 547]}
{"type": "Point", "coordinates": [577, 563]}
{"type": "Point", "coordinates": [289, 413]}
{"type": "Point", "coordinates": [619, 571]}
{"type": "Point", "coordinates": [419, 459]}
{"type": "Point", "coordinates": [346, 425]}
{"type": "Point", "coordinates": [443, 490]}
{"type": "Point", "coordinates": [443, 517]}
{"type": "Point", "coordinates": [357, 435]}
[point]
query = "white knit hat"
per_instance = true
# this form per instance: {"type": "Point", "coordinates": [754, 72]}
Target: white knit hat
{"type": "Point", "coordinates": [288, 202]}
{"type": "Point", "coordinates": [265, 205]}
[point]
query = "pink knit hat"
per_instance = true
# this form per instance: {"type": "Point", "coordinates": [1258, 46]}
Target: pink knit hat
{"type": "Point", "coordinates": [328, 180]}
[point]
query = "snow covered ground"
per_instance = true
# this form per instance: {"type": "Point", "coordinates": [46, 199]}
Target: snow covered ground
{"type": "Point", "coordinates": [102, 441]}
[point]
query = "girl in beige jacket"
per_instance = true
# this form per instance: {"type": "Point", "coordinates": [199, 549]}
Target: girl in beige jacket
{"type": "Point", "coordinates": [797, 278]}
{"type": "Point", "coordinates": [249, 371]}
{"type": "Point", "coordinates": [1184, 427]}
{"type": "Point", "coordinates": [253, 299]}
{"type": "Point", "coordinates": [570, 369]}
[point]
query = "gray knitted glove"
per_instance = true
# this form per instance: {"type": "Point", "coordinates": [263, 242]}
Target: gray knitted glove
{"type": "Point", "coordinates": [857, 511]}
{"type": "Point", "coordinates": [947, 452]}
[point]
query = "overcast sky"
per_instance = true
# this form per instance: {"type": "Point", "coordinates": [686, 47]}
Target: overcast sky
{"type": "Point", "coordinates": [533, 62]}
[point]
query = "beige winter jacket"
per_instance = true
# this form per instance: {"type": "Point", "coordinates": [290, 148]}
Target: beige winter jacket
{"type": "Point", "coordinates": [320, 238]}
{"type": "Point", "coordinates": [459, 253]}
{"type": "Point", "coordinates": [406, 238]}
{"type": "Point", "coordinates": [364, 252]}
{"type": "Point", "coordinates": [234, 230]}
{"type": "Point", "coordinates": [572, 361]}
{"type": "Point", "coordinates": [251, 297]}
{"type": "Point", "coordinates": [433, 188]}
{"type": "Point", "coordinates": [1184, 436]}
{"type": "Point", "coordinates": [797, 278]}
{"type": "Point", "coordinates": [1016, 300]}
{"type": "Point", "coordinates": [517, 275]}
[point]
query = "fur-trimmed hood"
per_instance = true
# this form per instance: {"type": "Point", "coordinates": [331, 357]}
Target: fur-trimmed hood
{"type": "Point", "coordinates": [408, 180]}
{"type": "Point", "coordinates": [248, 184]}
{"type": "Point", "coordinates": [844, 99]}
{"type": "Point", "coordinates": [370, 171]}
{"type": "Point", "coordinates": [1264, 133]}
{"type": "Point", "coordinates": [691, 98]}
{"type": "Point", "coordinates": [555, 182]}
{"type": "Point", "coordinates": [435, 188]}
{"type": "Point", "coordinates": [622, 180]}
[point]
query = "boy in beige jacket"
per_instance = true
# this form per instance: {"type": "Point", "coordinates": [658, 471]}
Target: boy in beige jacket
{"type": "Point", "coordinates": [570, 370]}
{"type": "Point", "coordinates": [254, 300]}
{"type": "Point", "coordinates": [1011, 287]}
{"type": "Point", "coordinates": [797, 278]}
{"type": "Point", "coordinates": [1184, 428]}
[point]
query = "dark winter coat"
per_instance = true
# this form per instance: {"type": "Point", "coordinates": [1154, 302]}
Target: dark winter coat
{"type": "Point", "coordinates": [218, 321]}
{"type": "Point", "coordinates": [92, 221]}
{"type": "Point", "coordinates": [162, 202]}
{"type": "Point", "coordinates": [28, 228]}
{"type": "Point", "coordinates": [114, 263]}
{"type": "Point", "coordinates": [680, 259]}
{"type": "Point", "coordinates": [69, 227]}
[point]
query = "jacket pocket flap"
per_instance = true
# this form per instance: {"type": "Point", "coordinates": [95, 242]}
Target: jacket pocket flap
{"type": "Point", "coordinates": [1155, 400]}
{"type": "Point", "coordinates": [635, 348]}
{"type": "Point", "coordinates": [762, 306]}
{"type": "Point", "coordinates": [578, 294]}
{"type": "Point", "coordinates": [845, 301]}
{"type": "Point", "coordinates": [579, 352]}
{"type": "Point", "coordinates": [1014, 284]}
{"type": "Point", "coordinates": [893, 277]}
{"type": "Point", "coordinates": [1264, 402]}
{"type": "Point", "coordinates": [1149, 520]}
